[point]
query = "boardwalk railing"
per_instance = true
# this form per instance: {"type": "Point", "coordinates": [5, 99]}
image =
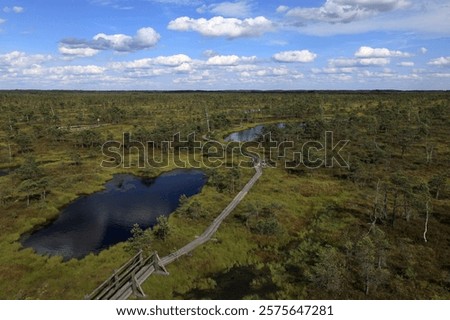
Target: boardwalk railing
{"type": "Point", "coordinates": [125, 276]}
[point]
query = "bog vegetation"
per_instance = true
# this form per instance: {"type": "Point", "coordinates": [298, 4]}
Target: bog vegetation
{"type": "Point", "coordinates": [379, 229]}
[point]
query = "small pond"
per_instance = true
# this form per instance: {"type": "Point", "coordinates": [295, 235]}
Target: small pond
{"type": "Point", "coordinates": [6, 171]}
{"type": "Point", "coordinates": [95, 222]}
{"type": "Point", "coordinates": [248, 134]}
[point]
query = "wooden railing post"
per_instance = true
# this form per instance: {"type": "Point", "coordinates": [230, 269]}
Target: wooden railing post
{"type": "Point", "coordinates": [157, 265]}
{"type": "Point", "coordinates": [135, 287]}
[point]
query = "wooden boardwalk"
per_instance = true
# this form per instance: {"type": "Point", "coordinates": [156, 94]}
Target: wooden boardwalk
{"type": "Point", "coordinates": [127, 280]}
{"type": "Point", "coordinates": [125, 277]}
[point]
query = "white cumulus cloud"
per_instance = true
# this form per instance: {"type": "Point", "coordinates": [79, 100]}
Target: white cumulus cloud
{"type": "Point", "coordinates": [230, 60]}
{"type": "Point", "coordinates": [223, 60]}
{"type": "Point", "coordinates": [282, 9]}
{"type": "Point", "coordinates": [364, 62]}
{"type": "Point", "coordinates": [368, 52]}
{"type": "Point", "coordinates": [223, 27]}
{"type": "Point", "coordinates": [295, 56]}
{"type": "Point", "coordinates": [76, 70]}
{"type": "Point", "coordinates": [18, 59]}
{"type": "Point", "coordinates": [145, 38]}
{"type": "Point", "coordinates": [344, 11]}
{"type": "Point", "coordinates": [184, 68]}
{"type": "Point", "coordinates": [170, 61]}
{"type": "Point", "coordinates": [442, 61]}
{"type": "Point", "coordinates": [423, 17]}
{"type": "Point", "coordinates": [77, 52]}
{"type": "Point", "coordinates": [15, 9]}
{"type": "Point", "coordinates": [406, 64]}
{"type": "Point", "coordinates": [370, 57]}
{"type": "Point", "coordinates": [64, 73]}
{"type": "Point", "coordinates": [175, 60]}
{"type": "Point", "coordinates": [118, 42]}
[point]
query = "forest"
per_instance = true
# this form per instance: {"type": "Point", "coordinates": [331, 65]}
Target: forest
{"type": "Point", "coordinates": [377, 228]}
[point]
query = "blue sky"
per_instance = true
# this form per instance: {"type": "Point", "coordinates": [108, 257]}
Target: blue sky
{"type": "Point", "coordinates": [236, 44]}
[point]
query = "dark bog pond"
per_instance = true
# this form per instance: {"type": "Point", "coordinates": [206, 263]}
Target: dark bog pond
{"type": "Point", "coordinates": [248, 134]}
{"type": "Point", "coordinates": [5, 172]}
{"type": "Point", "coordinates": [245, 135]}
{"type": "Point", "coordinates": [95, 222]}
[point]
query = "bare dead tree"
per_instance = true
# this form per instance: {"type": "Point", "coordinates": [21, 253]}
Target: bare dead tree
{"type": "Point", "coordinates": [427, 216]}
{"type": "Point", "coordinates": [429, 149]}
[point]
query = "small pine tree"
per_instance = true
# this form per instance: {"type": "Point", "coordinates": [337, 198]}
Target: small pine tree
{"type": "Point", "coordinates": [162, 228]}
{"type": "Point", "coordinates": [139, 240]}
